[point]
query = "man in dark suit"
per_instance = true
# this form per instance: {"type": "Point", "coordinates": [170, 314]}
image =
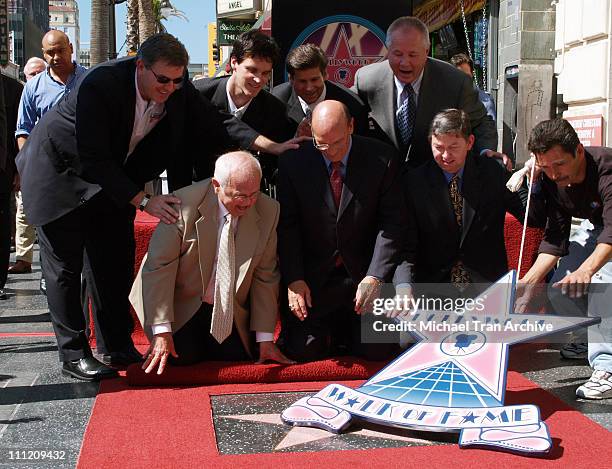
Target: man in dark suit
{"type": "Point", "coordinates": [254, 118]}
{"type": "Point", "coordinates": [405, 92]}
{"type": "Point", "coordinates": [9, 104]}
{"type": "Point", "coordinates": [83, 170]}
{"type": "Point", "coordinates": [456, 206]}
{"type": "Point", "coordinates": [339, 234]}
{"type": "Point", "coordinates": [308, 86]}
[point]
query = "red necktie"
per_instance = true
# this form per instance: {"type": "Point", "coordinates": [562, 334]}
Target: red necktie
{"type": "Point", "coordinates": [335, 180]}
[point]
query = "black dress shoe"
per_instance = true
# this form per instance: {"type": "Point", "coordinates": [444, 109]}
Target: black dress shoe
{"type": "Point", "coordinates": [43, 286]}
{"type": "Point", "coordinates": [3, 295]}
{"type": "Point", "coordinates": [122, 358]}
{"type": "Point", "coordinates": [88, 369]}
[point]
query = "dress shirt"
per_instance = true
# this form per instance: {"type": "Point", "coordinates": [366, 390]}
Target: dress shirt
{"type": "Point", "coordinates": [40, 94]}
{"type": "Point", "coordinates": [399, 86]}
{"type": "Point", "coordinates": [146, 116]}
{"type": "Point", "coordinates": [209, 294]}
{"type": "Point", "coordinates": [344, 160]}
{"type": "Point", "coordinates": [236, 111]}
{"type": "Point", "coordinates": [448, 176]}
{"type": "Point", "coordinates": [306, 106]}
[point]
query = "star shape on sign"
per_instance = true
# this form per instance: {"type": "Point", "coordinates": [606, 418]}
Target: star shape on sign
{"type": "Point", "coordinates": [342, 64]}
{"type": "Point", "coordinates": [300, 435]}
{"type": "Point", "coordinates": [469, 418]}
{"type": "Point", "coordinates": [481, 350]}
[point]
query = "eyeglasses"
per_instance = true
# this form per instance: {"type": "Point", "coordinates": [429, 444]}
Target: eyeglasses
{"type": "Point", "coordinates": [164, 80]}
{"type": "Point", "coordinates": [320, 146]}
{"type": "Point", "coordinates": [244, 197]}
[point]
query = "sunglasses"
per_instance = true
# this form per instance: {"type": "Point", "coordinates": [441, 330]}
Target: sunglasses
{"type": "Point", "coordinates": [163, 80]}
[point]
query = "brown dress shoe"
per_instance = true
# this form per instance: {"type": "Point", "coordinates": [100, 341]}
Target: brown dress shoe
{"type": "Point", "coordinates": [20, 267]}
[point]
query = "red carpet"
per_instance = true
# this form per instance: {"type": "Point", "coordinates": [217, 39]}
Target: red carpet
{"type": "Point", "coordinates": [208, 373]}
{"type": "Point", "coordinates": [172, 427]}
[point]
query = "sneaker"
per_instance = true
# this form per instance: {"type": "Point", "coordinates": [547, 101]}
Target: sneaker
{"type": "Point", "coordinates": [599, 386]}
{"type": "Point", "coordinates": [575, 351]}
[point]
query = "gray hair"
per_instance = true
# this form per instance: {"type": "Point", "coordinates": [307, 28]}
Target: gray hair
{"type": "Point", "coordinates": [408, 22]}
{"type": "Point", "coordinates": [451, 121]}
{"type": "Point", "coordinates": [236, 163]}
{"type": "Point", "coordinates": [33, 62]}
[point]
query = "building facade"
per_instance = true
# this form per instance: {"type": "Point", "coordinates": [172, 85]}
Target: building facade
{"type": "Point", "coordinates": [64, 16]}
{"type": "Point", "coordinates": [29, 21]}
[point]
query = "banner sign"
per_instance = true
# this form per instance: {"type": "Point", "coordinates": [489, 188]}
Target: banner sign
{"type": "Point", "coordinates": [589, 129]}
{"type": "Point", "coordinates": [350, 32]}
{"type": "Point", "coordinates": [350, 42]}
{"type": "Point", "coordinates": [228, 30]}
{"type": "Point", "coordinates": [453, 379]}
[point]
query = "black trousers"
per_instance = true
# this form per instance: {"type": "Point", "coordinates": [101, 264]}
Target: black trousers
{"type": "Point", "coordinates": [106, 231]}
{"type": "Point", "coordinates": [193, 342]}
{"type": "Point", "coordinates": [332, 326]}
{"type": "Point", "coordinates": [5, 226]}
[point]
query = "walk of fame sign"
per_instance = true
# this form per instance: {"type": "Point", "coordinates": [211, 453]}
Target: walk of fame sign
{"type": "Point", "coordinates": [349, 41]}
{"type": "Point", "coordinates": [453, 379]}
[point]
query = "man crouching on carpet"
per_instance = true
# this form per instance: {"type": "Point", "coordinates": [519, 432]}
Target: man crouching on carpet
{"type": "Point", "coordinates": [212, 278]}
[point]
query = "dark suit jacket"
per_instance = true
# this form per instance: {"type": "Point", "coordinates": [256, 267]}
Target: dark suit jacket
{"type": "Point", "coordinates": [12, 90]}
{"type": "Point", "coordinates": [365, 231]}
{"type": "Point", "coordinates": [80, 146]}
{"type": "Point", "coordinates": [287, 95]}
{"type": "Point", "coordinates": [434, 242]}
{"type": "Point", "coordinates": [442, 87]}
{"type": "Point", "coordinates": [265, 115]}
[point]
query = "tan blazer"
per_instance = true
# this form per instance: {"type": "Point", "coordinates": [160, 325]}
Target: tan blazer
{"type": "Point", "coordinates": [176, 270]}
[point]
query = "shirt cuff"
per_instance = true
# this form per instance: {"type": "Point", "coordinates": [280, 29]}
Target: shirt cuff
{"type": "Point", "coordinates": [264, 337]}
{"type": "Point", "coordinates": [162, 328]}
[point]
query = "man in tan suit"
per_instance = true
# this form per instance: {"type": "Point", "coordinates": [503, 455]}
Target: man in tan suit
{"type": "Point", "coordinates": [182, 291]}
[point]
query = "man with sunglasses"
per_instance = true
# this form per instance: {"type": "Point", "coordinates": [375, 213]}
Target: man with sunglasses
{"type": "Point", "coordinates": [83, 170]}
{"type": "Point", "coordinates": [339, 235]}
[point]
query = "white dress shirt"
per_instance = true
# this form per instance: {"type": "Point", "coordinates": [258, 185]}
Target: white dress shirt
{"type": "Point", "coordinates": [236, 111]}
{"type": "Point", "coordinates": [399, 86]}
{"type": "Point", "coordinates": [209, 294]}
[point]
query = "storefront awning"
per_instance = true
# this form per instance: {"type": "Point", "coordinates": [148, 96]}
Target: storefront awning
{"type": "Point", "coordinates": [438, 13]}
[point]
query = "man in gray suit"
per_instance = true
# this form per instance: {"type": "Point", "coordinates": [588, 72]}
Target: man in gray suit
{"type": "Point", "coordinates": [405, 92]}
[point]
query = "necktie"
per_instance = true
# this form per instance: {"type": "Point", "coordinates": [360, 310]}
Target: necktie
{"type": "Point", "coordinates": [223, 307]}
{"type": "Point", "coordinates": [459, 276]}
{"type": "Point", "coordinates": [335, 180]}
{"type": "Point", "coordinates": [406, 114]}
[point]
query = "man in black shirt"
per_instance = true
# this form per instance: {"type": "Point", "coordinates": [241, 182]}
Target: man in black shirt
{"type": "Point", "coordinates": [576, 182]}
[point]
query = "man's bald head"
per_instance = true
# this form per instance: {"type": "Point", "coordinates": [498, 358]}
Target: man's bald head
{"type": "Point", "coordinates": [57, 51]}
{"type": "Point", "coordinates": [332, 126]}
{"type": "Point", "coordinates": [33, 67]}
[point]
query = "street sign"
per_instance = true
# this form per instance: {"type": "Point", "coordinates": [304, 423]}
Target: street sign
{"type": "Point", "coordinates": [4, 32]}
{"type": "Point", "coordinates": [233, 7]}
{"type": "Point", "coordinates": [228, 30]}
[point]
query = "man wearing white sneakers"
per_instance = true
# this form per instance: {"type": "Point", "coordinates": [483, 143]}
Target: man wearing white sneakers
{"type": "Point", "coordinates": [576, 182]}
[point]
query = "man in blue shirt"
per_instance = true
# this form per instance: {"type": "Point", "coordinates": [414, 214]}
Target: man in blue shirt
{"type": "Point", "coordinates": [466, 65]}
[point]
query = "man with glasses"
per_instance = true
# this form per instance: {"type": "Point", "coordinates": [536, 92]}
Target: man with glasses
{"type": "Point", "coordinates": [231, 232]}
{"type": "Point", "coordinates": [83, 170]}
{"type": "Point", "coordinates": [255, 119]}
{"type": "Point", "coordinates": [339, 235]}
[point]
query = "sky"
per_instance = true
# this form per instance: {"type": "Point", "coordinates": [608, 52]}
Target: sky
{"type": "Point", "coordinates": [192, 33]}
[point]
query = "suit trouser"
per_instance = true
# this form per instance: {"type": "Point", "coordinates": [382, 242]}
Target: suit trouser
{"type": "Point", "coordinates": [106, 231]}
{"type": "Point", "coordinates": [5, 227]}
{"type": "Point", "coordinates": [332, 326]}
{"type": "Point", "coordinates": [193, 342]}
{"type": "Point", "coordinates": [25, 234]}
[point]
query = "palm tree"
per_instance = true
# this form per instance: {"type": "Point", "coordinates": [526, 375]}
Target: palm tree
{"type": "Point", "coordinates": [132, 35]}
{"type": "Point", "coordinates": [146, 20]}
{"type": "Point", "coordinates": [162, 10]}
{"type": "Point", "coordinates": [99, 31]}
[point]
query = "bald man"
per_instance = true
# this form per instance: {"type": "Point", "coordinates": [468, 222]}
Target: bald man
{"type": "Point", "coordinates": [189, 257]}
{"type": "Point", "coordinates": [40, 94]}
{"type": "Point", "coordinates": [340, 228]}
{"type": "Point", "coordinates": [33, 67]}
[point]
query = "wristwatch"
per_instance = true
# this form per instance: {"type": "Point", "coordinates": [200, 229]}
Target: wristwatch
{"type": "Point", "coordinates": [144, 202]}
